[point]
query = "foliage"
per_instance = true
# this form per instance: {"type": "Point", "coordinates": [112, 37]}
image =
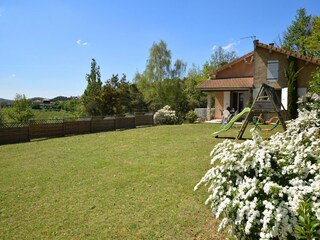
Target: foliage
{"type": "Point", "coordinates": [137, 101]}
{"type": "Point", "coordinates": [309, 101]}
{"type": "Point", "coordinates": [1, 117]}
{"type": "Point", "coordinates": [172, 93]}
{"type": "Point", "coordinates": [308, 226]}
{"type": "Point", "coordinates": [303, 35]}
{"type": "Point", "coordinates": [195, 98]}
{"type": "Point", "coordinates": [71, 105]}
{"type": "Point", "coordinates": [191, 116]}
{"type": "Point", "coordinates": [94, 85]}
{"type": "Point", "coordinates": [313, 41]}
{"type": "Point", "coordinates": [165, 116]}
{"type": "Point", "coordinates": [257, 185]}
{"type": "Point", "coordinates": [292, 74]}
{"type": "Point", "coordinates": [114, 97]}
{"type": "Point", "coordinates": [219, 57]}
{"type": "Point", "coordinates": [294, 39]}
{"type": "Point", "coordinates": [314, 84]}
{"type": "Point", "coordinates": [20, 110]}
{"type": "Point", "coordinates": [158, 69]}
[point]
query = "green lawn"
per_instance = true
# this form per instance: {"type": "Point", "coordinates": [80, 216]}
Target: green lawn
{"type": "Point", "coordinates": [133, 184]}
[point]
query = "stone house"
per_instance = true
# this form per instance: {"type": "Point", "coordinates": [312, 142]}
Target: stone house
{"type": "Point", "coordinates": [236, 84]}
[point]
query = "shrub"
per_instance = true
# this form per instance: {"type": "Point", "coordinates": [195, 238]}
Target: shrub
{"type": "Point", "coordinates": [191, 116]}
{"type": "Point", "coordinates": [165, 116]}
{"type": "Point", "coordinates": [256, 186]}
{"type": "Point", "coordinates": [308, 224]}
{"type": "Point", "coordinates": [309, 101]}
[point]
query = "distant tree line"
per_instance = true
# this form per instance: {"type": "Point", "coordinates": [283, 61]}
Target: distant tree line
{"type": "Point", "coordinates": [161, 83]}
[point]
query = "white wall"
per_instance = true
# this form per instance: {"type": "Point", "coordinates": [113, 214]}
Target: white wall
{"type": "Point", "coordinates": [284, 97]}
{"type": "Point", "coordinates": [226, 99]}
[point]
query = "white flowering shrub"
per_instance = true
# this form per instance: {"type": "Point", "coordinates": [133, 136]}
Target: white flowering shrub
{"type": "Point", "coordinates": [309, 101]}
{"type": "Point", "coordinates": [165, 116]}
{"type": "Point", "coordinates": [256, 186]}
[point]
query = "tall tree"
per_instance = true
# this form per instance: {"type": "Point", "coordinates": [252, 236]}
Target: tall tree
{"type": "Point", "coordinates": [292, 74]}
{"type": "Point", "coordinates": [116, 96]}
{"type": "Point", "coordinates": [159, 62]}
{"type": "Point", "coordinates": [21, 109]}
{"type": "Point", "coordinates": [294, 39]}
{"type": "Point", "coordinates": [158, 69]}
{"type": "Point", "coordinates": [219, 57]}
{"type": "Point", "coordinates": [313, 41]}
{"type": "Point", "coordinates": [94, 84]}
{"type": "Point", "coordinates": [172, 94]}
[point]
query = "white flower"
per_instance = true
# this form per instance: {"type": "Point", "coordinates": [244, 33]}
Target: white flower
{"type": "Point", "coordinates": [257, 185]}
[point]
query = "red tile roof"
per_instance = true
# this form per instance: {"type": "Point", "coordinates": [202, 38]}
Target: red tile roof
{"type": "Point", "coordinates": [286, 52]}
{"type": "Point", "coordinates": [243, 83]}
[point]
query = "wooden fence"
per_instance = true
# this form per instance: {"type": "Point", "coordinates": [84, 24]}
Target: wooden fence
{"type": "Point", "coordinates": [22, 132]}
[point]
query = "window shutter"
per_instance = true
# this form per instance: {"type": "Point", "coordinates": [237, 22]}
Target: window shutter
{"type": "Point", "coordinates": [273, 70]}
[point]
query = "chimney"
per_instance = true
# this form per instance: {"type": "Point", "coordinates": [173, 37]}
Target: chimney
{"type": "Point", "coordinates": [271, 44]}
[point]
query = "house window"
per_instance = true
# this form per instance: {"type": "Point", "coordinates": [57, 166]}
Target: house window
{"type": "Point", "coordinates": [273, 70]}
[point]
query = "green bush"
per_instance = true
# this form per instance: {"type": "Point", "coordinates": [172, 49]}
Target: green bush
{"type": "Point", "coordinates": [191, 116]}
{"type": "Point", "coordinates": [308, 225]}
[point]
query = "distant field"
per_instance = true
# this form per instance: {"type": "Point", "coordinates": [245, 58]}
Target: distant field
{"type": "Point", "coordinates": [45, 114]}
{"type": "Point", "coordinates": [134, 184]}
{"type": "Point", "coordinates": [50, 114]}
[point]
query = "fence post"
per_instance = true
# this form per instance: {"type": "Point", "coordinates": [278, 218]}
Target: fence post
{"type": "Point", "coordinates": [29, 131]}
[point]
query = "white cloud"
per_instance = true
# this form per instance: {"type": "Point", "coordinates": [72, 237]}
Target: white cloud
{"type": "Point", "coordinates": [230, 46]}
{"type": "Point", "coordinates": [80, 43]}
{"type": "Point", "coordinates": [13, 75]}
{"type": "Point", "coordinates": [214, 47]}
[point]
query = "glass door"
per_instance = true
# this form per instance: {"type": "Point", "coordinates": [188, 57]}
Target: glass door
{"type": "Point", "coordinates": [237, 101]}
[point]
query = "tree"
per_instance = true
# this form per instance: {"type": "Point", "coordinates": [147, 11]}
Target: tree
{"type": "Point", "coordinates": [94, 84]}
{"type": "Point", "coordinates": [294, 39]}
{"type": "Point", "coordinates": [172, 94]}
{"type": "Point", "coordinates": [291, 75]}
{"type": "Point", "coordinates": [219, 57]}
{"type": "Point", "coordinates": [159, 62]}
{"type": "Point", "coordinates": [21, 109]}
{"type": "Point", "coordinates": [195, 98]}
{"type": "Point", "coordinates": [1, 117]}
{"type": "Point", "coordinates": [137, 101]}
{"type": "Point", "coordinates": [115, 96]}
{"type": "Point", "coordinates": [158, 69]}
{"type": "Point", "coordinates": [313, 41]}
{"type": "Point", "coordinates": [314, 85]}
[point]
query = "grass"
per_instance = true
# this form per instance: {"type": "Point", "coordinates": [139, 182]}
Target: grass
{"type": "Point", "coordinates": [42, 114]}
{"type": "Point", "coordinates": [51, 114]}
{"type": "Point", "coordinates": [134, 184]}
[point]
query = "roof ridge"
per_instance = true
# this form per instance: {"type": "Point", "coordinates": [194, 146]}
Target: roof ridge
{"type": "Point", "coordinates": [287, 52]}
{"type": "Point", "coordinates": [232, 62]}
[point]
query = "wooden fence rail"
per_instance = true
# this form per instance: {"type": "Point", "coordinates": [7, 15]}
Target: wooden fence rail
{"type": "Point", "coordinates": [15, 132]}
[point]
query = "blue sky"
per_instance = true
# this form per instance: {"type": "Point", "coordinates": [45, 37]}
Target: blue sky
{"type": "Point", "coordinates": [46, 46]}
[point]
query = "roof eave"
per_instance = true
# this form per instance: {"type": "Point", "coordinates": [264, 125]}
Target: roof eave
{"type": "Point", "coordinates": [225, 89]}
